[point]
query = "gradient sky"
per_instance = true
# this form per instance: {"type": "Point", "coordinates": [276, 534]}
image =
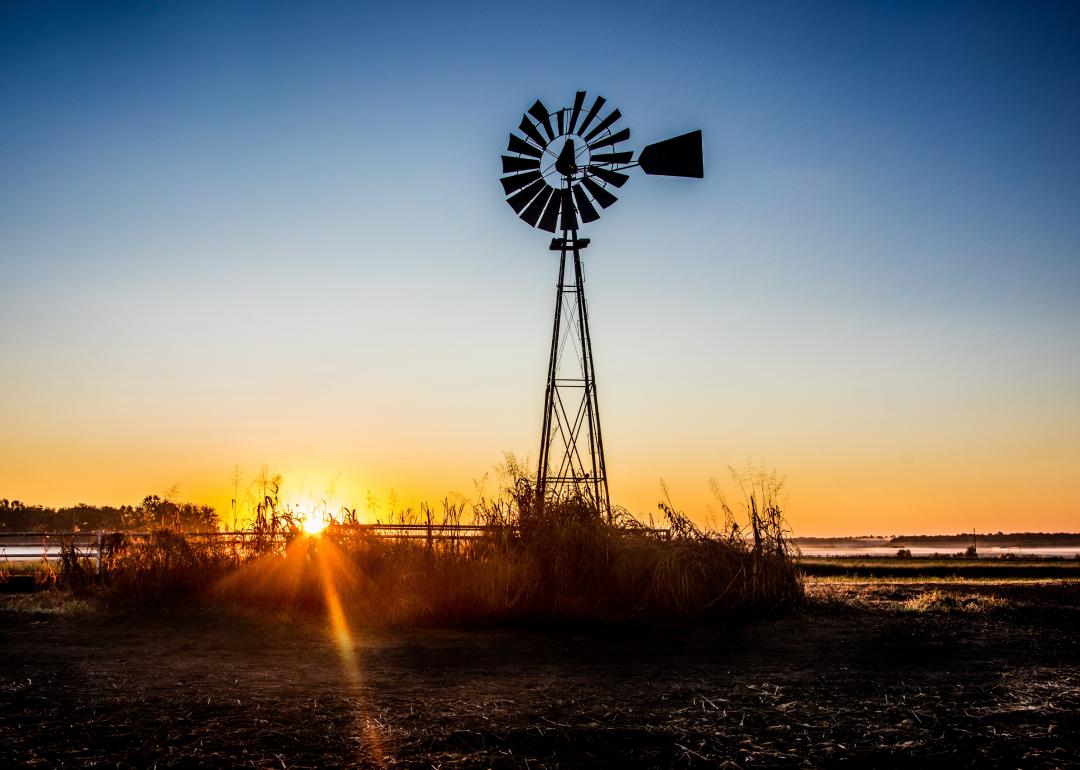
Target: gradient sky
{"type": "Point", "coordinates": [247, 234]}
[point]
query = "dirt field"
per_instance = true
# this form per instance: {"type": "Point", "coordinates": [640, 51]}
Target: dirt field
{"type": "Point", "coordinates": [870, 675]}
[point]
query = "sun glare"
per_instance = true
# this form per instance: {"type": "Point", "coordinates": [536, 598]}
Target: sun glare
{"type": "Point", "coordinates": [313, 522]}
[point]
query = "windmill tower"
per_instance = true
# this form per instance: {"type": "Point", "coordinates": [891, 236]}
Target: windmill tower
{"type": "Point", "coordinates": [563, 165]}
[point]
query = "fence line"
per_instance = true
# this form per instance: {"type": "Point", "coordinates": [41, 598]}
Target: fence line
{"type": "Point", "coordinates": [22, 546]}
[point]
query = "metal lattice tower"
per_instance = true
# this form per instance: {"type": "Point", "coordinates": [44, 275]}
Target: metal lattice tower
{"type": "Point", "coordinates": [563, 165]}
{"type": "Point", "coordinates": [571, 442]}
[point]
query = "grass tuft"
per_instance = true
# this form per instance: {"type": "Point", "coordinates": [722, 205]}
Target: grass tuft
{"type": "Point", "coordinates": [946, 602]}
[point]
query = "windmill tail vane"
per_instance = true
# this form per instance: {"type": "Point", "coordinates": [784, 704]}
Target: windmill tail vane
{"type": "Point", "coordinates": [560, 172]}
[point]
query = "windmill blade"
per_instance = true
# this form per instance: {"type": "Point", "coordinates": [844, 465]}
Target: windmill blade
{"type": "Point", "coordinates": [521, 198]}
{"type": "Point", "coordinates": [579, 99]}
{"type": "Point", "coordinates": [621, 136]}
{"type": "Point", "coordinates": [612, 157]}
{"type": "Point", "coordinates": [585, 207]}
{"type": "Point", "coordinates": [529, 129]}
{"type": "Point", "coordinates": [609, 176]}
{"type": "Point", "coordinates": [569, 216]}
{"type": "Point", "coordinates": [517, 181]}
{"type": "Point", "coordinates": [512, 164]}
{"type": "Point", "coordinates": [550, 217]}
{"type": "Point", "coordinates": [520, 146]}
{"type": "Point", "coordinates": [678, 156]}
{"type": "Point", "coordinates": [592, 114]}
{"type": "Point", "coordinates": [560, 121]}
{"type": "Point", "coordinates": [533, 210]}
{"type": "Point", "coordinates": [540, 112]}
{"type": "Point", "coordinates": [615, 115]}
{"type": "Point", "coordinates": [599, 194]}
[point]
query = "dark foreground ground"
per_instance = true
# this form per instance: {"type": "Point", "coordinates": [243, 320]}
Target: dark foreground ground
{"type": "Point", "coordinates": [870, 675]}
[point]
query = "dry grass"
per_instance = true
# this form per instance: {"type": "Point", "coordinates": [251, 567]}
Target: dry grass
{"type": "Point", "coordinates": [921, 568]}
{"type": "Point", "coordinates": [924, 598]}
{"type": "Point", "coordinates": [558, 562]}
{"type": "Point", "coordinates": [938, 602]}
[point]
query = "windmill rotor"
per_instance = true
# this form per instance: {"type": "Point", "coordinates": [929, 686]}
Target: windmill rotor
{"type": "Point", "coordinates": [563, 166]}
{"type": "Point", "coordinates": [560, 159]}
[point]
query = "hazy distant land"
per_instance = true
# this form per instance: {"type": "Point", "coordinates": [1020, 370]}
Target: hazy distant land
{"type": "Point", "coordinates": [999, 543]}
{"type": "Point", "coordinates": [999, 539]}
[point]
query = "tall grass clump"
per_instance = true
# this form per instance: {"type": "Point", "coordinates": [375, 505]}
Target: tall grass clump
{"type": "Point", "coordinates": [562, 561]}
{"type": "Point", "coordinates": [161, 568]}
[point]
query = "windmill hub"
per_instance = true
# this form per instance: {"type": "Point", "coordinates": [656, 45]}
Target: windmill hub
{"type": "Point", "coordinates": [566, 164]}
{"type": "Point", "coordinates": [561, 167]}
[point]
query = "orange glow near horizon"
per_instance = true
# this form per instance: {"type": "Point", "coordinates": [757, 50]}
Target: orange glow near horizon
{"type": "Point", "coordinates": [823, 496]}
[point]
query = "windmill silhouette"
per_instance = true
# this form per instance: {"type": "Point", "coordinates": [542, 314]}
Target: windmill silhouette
{"type": "Point", "coordinates": [562, 165]}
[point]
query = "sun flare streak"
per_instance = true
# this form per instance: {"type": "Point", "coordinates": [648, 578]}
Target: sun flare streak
{"type": "Point", "coordinates": [343, 637]}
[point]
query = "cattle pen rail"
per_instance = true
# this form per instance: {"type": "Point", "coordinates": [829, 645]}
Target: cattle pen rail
{"type": "Point", "coordinates": [27, 546]}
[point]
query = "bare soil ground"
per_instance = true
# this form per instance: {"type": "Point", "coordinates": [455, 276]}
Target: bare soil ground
{"type": "Point", "coordinates": [869, 675]}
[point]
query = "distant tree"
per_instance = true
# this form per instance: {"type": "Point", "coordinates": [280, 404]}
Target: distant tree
{"type": "Point", "coordinates": [148, 514]}
{"type": "Point", "coordinates": [199, 518]}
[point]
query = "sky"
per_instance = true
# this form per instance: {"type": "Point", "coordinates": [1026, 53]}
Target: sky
{"type": "Point", "coordinates": [271, 235]}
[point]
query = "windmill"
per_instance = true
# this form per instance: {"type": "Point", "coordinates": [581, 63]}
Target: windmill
{"type": "Point", "coordinates": [561, 166]}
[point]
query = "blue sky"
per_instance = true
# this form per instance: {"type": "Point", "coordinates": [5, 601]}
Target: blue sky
{"type": "Point", "coordinates": [269, 233]}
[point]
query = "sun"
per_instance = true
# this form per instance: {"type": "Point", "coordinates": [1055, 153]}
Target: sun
{"type": "Point", "coordinates": [312, 522]}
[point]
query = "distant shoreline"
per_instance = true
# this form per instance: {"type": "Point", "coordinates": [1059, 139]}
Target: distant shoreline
{"type": "Point", "coordinates": [958, 542]}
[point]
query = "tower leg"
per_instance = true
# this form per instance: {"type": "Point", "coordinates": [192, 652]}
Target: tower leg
{"type": "Point", "coordinates": [549, 391]}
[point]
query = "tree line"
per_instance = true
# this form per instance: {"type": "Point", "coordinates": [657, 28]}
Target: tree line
{"type": "Point", "coordinates": [152, 513]}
